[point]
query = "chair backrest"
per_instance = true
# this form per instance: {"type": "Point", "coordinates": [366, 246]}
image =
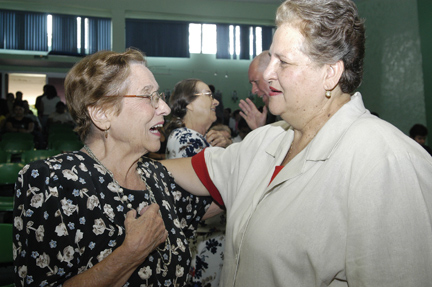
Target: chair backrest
{"type": "Point", "coordinates": [6, 250]}
{"type": "Point", "coordinates": [9, 172]}
{"type": "Point", "coordinates": [67, 135]}
{"type": "Point", "coordinates": [6, 203]}
{"type": "Point", "coordinates": [56, 128]}
{"type": "Point", "coordinates": [17, 136]}
{"type": "Point", "coordinates": [66, 145]}
{"type": "Point", "coordinates": [16, 146]}
{"type": "Point", "coordinates": [33, 155]}
{"type": "Point", "coordinates": [5, 156]}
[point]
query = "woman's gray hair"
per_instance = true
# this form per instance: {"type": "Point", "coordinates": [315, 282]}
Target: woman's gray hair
{"type": "Point", "coordinates": [333, 31]}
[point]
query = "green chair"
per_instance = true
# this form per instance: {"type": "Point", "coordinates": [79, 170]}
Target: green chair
{"type": "Point", "coordinates": [52, 137]}
{"type": "Point", "coordinates": [33, 155]}
{"type": "Point", "coordinates": [6, 203]}
{"type": "Point", "coordinates": [5, 156]}
{"type": "Point", "coordinates": [60, 128]}
{"type": "Point", "coordinates": [16, 146]}
{"type": "Point", "coordinates": [17, 136]}
{"type": "Point", "coordinates": [66, 145]}
{"type": "Point", "coordinates": [6, 255]}
{"type": "Point", "coordinates": [8, 177]}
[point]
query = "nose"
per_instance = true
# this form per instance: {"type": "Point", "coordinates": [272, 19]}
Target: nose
{"type": "Point", "coordinates": [255, 89]}
{"type": "Point", "coordinates": [215, 102]}
{"type": "Point", "coordinates": [163, 108]}
{"type": "Point", "coordinates": [269, 74]}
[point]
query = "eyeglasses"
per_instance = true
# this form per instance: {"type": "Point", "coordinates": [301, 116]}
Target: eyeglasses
{"type": "Point", "coordinates": [210, 94]}
{"type": "Point", "coordinates": [154, 98]}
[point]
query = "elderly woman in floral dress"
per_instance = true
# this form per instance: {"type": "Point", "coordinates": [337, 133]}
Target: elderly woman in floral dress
{"type": "Point", "coordinates": [106, 215]}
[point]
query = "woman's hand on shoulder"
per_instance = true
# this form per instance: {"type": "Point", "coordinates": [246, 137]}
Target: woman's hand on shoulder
{"type": "Point", "coordinates": [218, 138]}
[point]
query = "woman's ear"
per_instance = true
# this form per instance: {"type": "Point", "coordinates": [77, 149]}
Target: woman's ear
{"type": "Point", "coordinates": [99, 117]}
{"type": "Point", "coordinates": [333, 75]}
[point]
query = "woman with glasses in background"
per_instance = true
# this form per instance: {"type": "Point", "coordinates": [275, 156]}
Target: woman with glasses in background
{"type": "Point", "coordinates": [106, 215]}
{"type": "Point", "coordinates": [193, 112]}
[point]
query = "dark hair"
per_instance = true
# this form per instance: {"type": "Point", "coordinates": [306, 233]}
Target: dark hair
{"type": "Point", "coordinates": [333, 31]}
{"type": "Point", "coordinates": [212, 89]}
{"type": "Point", "coordinates": [418, 130]}
{"type": "Point", "coordinates": [182, 96]}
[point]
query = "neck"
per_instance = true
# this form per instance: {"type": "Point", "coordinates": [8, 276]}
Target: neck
{"type": "Point", "coordinates": [304, 135]}
{"type": "Point", "coordinates": [196, 125]}
{"type": "Point", "coordinates": [122, 166]}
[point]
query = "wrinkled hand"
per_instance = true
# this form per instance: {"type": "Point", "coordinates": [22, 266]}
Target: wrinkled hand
{"type": "Point", "coordinates": [252, 115]}
{"type": "Point", "coordinates": [218, 138]}
{"type": "Point", "coordinates": [145, 233]}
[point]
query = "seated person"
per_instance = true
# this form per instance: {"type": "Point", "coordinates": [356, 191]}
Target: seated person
{"type": "Point", "coordinates": [61, 115]}
{"type": "Point", "coordinates": [18, 122]}
{"type": "Point", "coordinates": [418, 132]}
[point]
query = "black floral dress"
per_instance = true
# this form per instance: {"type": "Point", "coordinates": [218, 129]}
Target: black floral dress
{"type": "Point", "coordinates": [69, 216]}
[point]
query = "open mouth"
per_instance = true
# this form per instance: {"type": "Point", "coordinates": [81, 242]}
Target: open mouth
{"type": "Point", "coordinates": [156, 128]}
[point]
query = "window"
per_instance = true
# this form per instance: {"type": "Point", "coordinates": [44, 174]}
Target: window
{"type": "Point", "coordinates": [228, 41]}
{"type": "Point", "coordinates": [55, 33]}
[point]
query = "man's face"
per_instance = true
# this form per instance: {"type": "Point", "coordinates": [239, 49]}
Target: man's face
{"type": "Point", "coordinates": [259, 86]}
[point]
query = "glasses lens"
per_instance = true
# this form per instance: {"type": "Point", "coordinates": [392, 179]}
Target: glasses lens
{"type": "Point", "coordinates": [155, 97]}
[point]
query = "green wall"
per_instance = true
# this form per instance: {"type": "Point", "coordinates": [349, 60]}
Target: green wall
{"type": "Point", "coordinates": [393, 77]}
{"type": "Point", "coordinates": [393, 84]}
{"type": "Point", "coordinates": [425, 20]}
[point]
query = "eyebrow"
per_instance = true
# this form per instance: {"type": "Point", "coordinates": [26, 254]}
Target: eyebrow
{"type": "Point", "coordinates": [147, 89]}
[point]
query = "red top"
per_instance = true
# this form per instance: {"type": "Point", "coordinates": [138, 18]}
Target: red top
{"type": "Point", "coordinates": [200, 167]}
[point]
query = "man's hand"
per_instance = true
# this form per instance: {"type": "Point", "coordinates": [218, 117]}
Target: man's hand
{"type": "Point", "coordinates": [252, 115]}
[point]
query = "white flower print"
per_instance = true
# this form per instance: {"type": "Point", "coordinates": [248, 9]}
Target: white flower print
{"type": "Point", "coordinates": [68, 207]}
{"type": "Point", "coordinates": [43, 260]}
{"type": "Point", "coordinates": [99, 226]}
{"type": "Point", "coordinates": [40, 232]}
{"type": "Point", "coordinates": [166, 204]}
{"type": "Point", "coordinates": [177, 195]}
{"type": "Point", "coordinates": [37, 200]}
{"type": "Point", "coordinates": [70, 174]}
{"type": "Point", "coordinates": [32, 189]}
{"type": "Point", "coordinates": [61, 229]}
{"type": "Point", "coordinates": [18, 223]}
{"type": "Point", "coordinates": [179, 271]}
{"type": "Point", "coordinates": [78, 236]}
{"type": "Point", "coordinates": [104, 254]}
{"type": "Point", "coordinates": [145, 273]}
{"type": "Point", "coordinates": [141, 206]}
{"type": "Point", "coordinates": [180, 245]}
{"type": "Point", "coordinates": [83, 167]}
{"type": "Point", "coordinates": [22, 271]}
{"type": "Point", "coordinates": [92, 202]}
{"type": "Point", "coordinates": [100, 168]}
{"type": "Point", "coordinates": [68, 254]}
{"type": "Point", "coordinates": [108, 210]}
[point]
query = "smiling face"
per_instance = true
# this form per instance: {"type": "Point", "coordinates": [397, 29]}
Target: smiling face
{"type": "Point", "coordinates": [202, 111]}
{"type": "Point", "coordinates": [296, 83]}
{"type": "Point", "coordinates": [136, 126]}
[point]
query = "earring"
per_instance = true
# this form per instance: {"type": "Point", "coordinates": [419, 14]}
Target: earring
{"type": "Point", "coordinates": [106, 132]}
{"type": "Point", "coordinates": [328, 94]}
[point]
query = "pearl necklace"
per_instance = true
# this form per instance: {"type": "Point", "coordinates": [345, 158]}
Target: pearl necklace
{"type": "Point", "coordinates": [124, 199]}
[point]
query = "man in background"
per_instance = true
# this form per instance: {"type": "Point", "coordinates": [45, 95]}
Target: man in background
{"type": "Point", "coordinates": [253, 116]}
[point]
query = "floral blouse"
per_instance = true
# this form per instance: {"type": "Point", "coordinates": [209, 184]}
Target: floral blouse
{"type": "Point", "coordinates": [69, 216]}
{"type": "Point", "coordinates": [184, 142]}
{"type": "Point", "coordinates": [208, 247]}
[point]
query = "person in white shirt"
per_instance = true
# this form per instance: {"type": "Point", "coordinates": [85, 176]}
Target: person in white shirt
{"type": "Point", "coordinates": [332, 195]}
